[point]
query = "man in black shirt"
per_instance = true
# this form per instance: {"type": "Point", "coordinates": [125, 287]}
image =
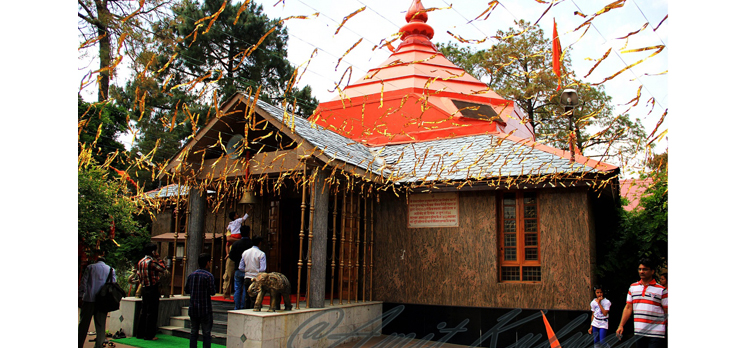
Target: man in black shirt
{"type": "Point", "coordinates": [237, 249]}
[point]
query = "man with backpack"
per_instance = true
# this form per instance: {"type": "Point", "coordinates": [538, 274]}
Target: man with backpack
{"type": "Point", "coordinates": [94, 277]}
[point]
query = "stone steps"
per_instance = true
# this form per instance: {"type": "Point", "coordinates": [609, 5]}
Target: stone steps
{"type": "Point", "coordinates": [180, 325]}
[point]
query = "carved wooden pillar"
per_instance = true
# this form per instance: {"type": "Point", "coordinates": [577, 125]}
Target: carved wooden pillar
{"type": "Point", "coordinates": [343, 241]}
{"type": "Point", "coordinates": [186, 244]}
{"type": "Point", "coordinates": [364, 253]}
{"type": "Point", "coordinates": [372, 239]}
{"type": "Point", "coordinates": [351, 246]}
{"type": "Point", "coordinates": [212, 246]}
{"type": "Point", "coordinates": [175, 241]}
{"type": "Point", "coordinates": [356, 245]}
{"type": "Point", "coordinates": [333, 254]}
{"type": "Point", "coordinates": [301, 234]}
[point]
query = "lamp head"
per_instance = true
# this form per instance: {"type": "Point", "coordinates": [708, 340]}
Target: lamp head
{"type": "Point", "coordinates": [569, 98]}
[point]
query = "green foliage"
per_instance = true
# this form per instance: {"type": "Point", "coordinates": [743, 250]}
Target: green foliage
{"type": "Point", "coordinates": [519, 67]}
{"type": "Point", "coordinates": [659, 162]}
{"type": "Point", "coordinates": [109, 121]}
{"type": "Point", "coordinates": [642, 232]}
{"type": "Point", "coordinates": [102, 203]}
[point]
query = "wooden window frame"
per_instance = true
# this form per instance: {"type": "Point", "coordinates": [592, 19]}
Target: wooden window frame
{"type": "Point", "coordinates": [520, 261]}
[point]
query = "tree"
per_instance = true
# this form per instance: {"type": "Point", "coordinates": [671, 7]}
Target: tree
{"type": "Point", "coordinates": [642, 232]}
{"type": "Point", "coordinates": [202, 56]}
{"type": "Point", "coordinates": [659, 162]}
{"type": "Point", "coordinates": [103, 20]}
{"type": "Point", "coordinates": [519, 67]}
{"type": "Point", "coordinates": [105, 206]}
{"type": "Point", "coordinates": [224, 51]}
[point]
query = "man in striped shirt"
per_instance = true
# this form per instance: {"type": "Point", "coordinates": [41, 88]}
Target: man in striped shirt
{"type": "Point", "coordinates": [648, 301]}
{"type": "Point", "coordinates": [149, 269]}
{"type": "Point", "coordinates": [200, 285]}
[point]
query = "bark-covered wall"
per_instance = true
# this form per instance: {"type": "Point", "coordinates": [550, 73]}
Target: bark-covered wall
{"type": "Point", "coordinates": [458, 266]}
{"type": "Point", "coordinates": [163, 222]}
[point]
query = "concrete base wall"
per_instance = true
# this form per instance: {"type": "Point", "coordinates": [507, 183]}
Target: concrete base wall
{"type": "Point", "coordinates": [312, 327]}
{"type": "Point", "coordinates": [127, 316]}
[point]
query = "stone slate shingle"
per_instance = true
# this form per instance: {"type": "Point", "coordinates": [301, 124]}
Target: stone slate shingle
{"type": "Point", "coordinates": [456, 159]}
{"type": "Point", "coordinates": [334, 145]}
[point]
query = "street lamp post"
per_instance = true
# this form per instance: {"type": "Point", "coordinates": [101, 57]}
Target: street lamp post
{"type": "Point", "coordinates": [570, 100]}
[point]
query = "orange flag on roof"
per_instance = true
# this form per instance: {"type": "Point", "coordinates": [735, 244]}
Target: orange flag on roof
{"type": "Point", "coordinates": [551, 336]}
{"type": "Point", "coordinates": [556, 54]}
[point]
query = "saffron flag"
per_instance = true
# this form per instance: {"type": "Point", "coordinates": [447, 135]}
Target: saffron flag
{"type": "Point", "coordinates": [551, 336]}
{"type": "Point", "coordinates": [556, 54]}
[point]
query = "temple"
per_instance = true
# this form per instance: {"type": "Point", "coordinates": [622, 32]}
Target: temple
{"type": "Point", "coordinates": [417, 200]}
{"type": "Point", "coordinates": [417, 95]}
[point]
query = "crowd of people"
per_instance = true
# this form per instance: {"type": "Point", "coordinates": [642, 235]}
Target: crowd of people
{"type": "Point", "coordinates": [244, 260]}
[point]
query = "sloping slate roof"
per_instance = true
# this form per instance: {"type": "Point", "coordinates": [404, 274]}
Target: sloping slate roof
{"type": "Point", "coordinates": [476, 156]}
{"type": "Point", "coordinates": [167, 191]}
{"type": "Point", "coordinates": [333, 145]}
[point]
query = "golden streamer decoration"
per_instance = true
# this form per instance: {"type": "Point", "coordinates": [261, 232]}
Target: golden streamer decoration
{"type": "Point", "coordinates": [598, 62]}
{"type": "Point", "coordinates": [658, 49]}
{"type": "Point", "coordinates": [243, 7]}
{"type": "Point", "coordinates": [347, 18]}
{"type": "Point", "coordinates": [611, 6]}
{"type": "Point", "coordinates": [212, 18]}
{"type": "Point", "coordinates": [489, 10]}
{"type": "Point", "coordinates": [347, 51]}
{"type": "Point", "coordinates": [463, 40]}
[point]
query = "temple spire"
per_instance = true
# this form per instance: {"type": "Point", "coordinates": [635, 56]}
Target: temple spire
{"type": "Point", "coordinates": [416, 30]}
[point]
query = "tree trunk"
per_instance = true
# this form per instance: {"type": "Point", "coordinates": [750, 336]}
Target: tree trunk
{"type": "Point", "coordinates": [104, 18]}
{"type": "Point", "coordinates": [319, 243]}
{"type": "Point", "coordinates": [195, 228]}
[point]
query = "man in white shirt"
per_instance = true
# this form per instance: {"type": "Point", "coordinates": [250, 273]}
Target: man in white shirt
{"type": "Point", "coordinates": [92, 280]}
{"type": "Point", "coordinates": [253, 262]}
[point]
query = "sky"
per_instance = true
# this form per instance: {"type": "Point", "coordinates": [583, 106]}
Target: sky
{"type": "Point", "coordinates": [381, 19]}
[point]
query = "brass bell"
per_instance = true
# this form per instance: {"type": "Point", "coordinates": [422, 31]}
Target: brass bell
{"type": "Point", "coordinates": [248, 198]}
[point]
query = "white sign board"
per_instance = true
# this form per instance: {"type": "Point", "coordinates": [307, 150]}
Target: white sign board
{"type": "Point", "coordinates": [433, 210]}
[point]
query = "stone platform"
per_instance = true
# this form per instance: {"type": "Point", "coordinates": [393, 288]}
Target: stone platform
{"type": "Point", "coordinates": [125, 318]}
{"type": "Point", "coordinates": [304, 327]}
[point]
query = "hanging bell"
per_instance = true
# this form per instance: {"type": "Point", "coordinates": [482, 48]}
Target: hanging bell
{"type": "Point", "coordinates": [248, 198]}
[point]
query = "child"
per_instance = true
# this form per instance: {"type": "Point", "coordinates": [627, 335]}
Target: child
{"type": "Point", "coordinates": [664, 280]}
{"type": "Point", "coordinates": [599, 326]}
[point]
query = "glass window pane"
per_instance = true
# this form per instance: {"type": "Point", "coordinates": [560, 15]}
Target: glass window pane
{"type": "Point", "coordinates": [509, 240]}
{"type": "Point", "coordinates": [510, 273]}
{"type": "Point", "coordinates": [509, 212]}
{"type": "Point", "coordinates": [530, 254]}
{"type": "Point", "coordinates": [509, 226]}
{"type": "Point", "coordinates": [530, 225]}
{"type": "Point", "coordinates": [530, 212]}
{"type": "Point", "coordinates": [509, 254]}
{"type": "Point", "coordinates": [530, 198]}
{"type": "Point", "coordinates": [530, 239]}
{"type": "Point", "coordinates": [531, 274]}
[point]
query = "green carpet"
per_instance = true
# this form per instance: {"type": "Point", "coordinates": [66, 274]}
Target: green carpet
{"type": "Point", "coordinates": [163, 341]}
